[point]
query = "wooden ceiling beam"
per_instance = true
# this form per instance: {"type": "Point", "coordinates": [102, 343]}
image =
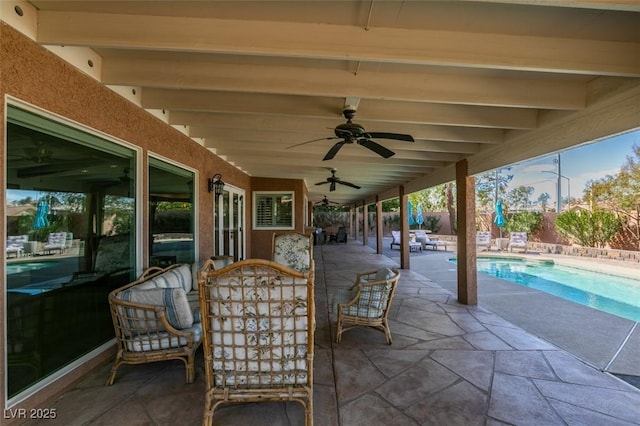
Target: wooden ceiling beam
{"type": "Point", "coordinates": [340, 42]}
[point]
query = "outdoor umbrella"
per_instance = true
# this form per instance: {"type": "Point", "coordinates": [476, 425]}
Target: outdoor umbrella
{"type": "Point", "coordinates": [42, 211]}
{"type": "Point", "coordinates": [420, 217]}
{"type": "Point", "coordinates": [499, 220]}
{"type": "Point", "coordinates": [410, 209]}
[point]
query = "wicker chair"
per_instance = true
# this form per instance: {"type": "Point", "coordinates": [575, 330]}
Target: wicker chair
{"type": "Point", "coordinates": [220, 261]}
{"type": "Point", "coordinates": [293, 250]}
{"type": "Point", "coordinates": [153, 324]}
{"type": "Point", "coordinates": [257, 319]}
{"type": "Point", "coordinates": [367, 302]}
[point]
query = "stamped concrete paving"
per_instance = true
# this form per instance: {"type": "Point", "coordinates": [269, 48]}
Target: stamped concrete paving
{"type": "Point", "coordinates": [448, 364]}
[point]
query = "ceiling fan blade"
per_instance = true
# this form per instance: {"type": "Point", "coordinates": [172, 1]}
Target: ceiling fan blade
{"type": "Point", "coordinates": [376, 147]}
{"type": "Point", "coordinates": [314, 140]}
{"type": "Point", "coordinates": [333, 151]}
{"type": "Point", "coordinates": [349, 184]}
{"type": "Point", "coordinates": [395, 136]}
{"type": "Point", "coordinates": [322, 183]}
{"type": "Point", "coordinates": [332, 187]}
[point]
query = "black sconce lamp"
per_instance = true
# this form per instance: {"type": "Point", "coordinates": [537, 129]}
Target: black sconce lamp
{"type": "Point", "coordinates": [216, 185]}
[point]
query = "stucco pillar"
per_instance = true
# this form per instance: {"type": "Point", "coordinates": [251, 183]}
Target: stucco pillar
{"type": "Point", "coordinates": [365, 224]}
{"type": "Point", "coordinates": [466, 230]}
{"type": "Point", "coordinates": [404, 229]}
{"type": "Point", "coordinates": [379, 230]}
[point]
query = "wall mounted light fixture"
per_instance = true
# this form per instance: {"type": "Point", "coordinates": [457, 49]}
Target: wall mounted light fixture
{"type": "Point", "coordinates": [216, 185]}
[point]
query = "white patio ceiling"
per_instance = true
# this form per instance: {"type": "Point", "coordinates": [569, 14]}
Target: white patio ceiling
{"type": "Point", "coordinates": [492, 82]}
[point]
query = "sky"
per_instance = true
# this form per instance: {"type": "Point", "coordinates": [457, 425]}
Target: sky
{"type": "Point", "coordinates": [577, 166]}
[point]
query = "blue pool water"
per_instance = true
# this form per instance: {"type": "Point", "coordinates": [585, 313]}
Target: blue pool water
{"type": "Point", "coordinates": [16, 268]}
{"type": "Point", "coordinates": [609, 293]}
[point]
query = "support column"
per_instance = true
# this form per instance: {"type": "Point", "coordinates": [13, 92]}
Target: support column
{"type": "Point", "coordinates": [466, 230]}
{"type": "Point", "coordinates": [365, 224]}
{"type": "Point", "coordinates": [357, 223]}
{"type": "Point", "coordinates": [352, 228]}
{"type": "Point", "coordinates": [379, 230]}
{"type": "Point", "coordinates": [404, 229]}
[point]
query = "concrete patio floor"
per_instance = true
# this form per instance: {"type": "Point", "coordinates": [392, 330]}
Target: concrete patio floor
{"type": "Point", "coordinates": [449, 364]}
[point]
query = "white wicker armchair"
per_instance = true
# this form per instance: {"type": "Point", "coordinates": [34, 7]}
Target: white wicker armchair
{"type": "Point", "coordinates": [257, 319]}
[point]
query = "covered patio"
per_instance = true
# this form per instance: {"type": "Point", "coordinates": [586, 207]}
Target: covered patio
{"type": "Point", "coordinates": [448, 364]}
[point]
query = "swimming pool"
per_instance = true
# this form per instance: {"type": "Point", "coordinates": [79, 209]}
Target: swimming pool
{"type": "Point", "coordinates": [16, 268]}
{"type": "Point", "coordinates": [609, 293]}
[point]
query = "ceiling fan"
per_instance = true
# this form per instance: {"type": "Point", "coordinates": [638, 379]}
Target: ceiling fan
{"type": "Point", "coordinates": [325, 201]}
{"type": "Point", "coordinates": [333, 179]}
{"type": "Point", "coordinates": [351, 132]}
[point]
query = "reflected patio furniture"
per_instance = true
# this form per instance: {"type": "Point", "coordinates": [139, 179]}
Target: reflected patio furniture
{"type": "Point", "coordinates": [258, 325]}
{"type": "Point", "coordinates": [367, 302]}
{"type": "Point", "coordinates": [55, 241]}
{"type": "Point", "coordinates": [112, 258]}
{"type": "Point", "coordinates": [293, 250]}
{"type": "Point", "coordinates": [15, 245]}
{"type": "Point", "coordinates": [518, 240]}
{"type": "Point", "coordinates": [483, 239]}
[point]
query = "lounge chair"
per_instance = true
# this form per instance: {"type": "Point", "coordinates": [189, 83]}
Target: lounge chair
{"type": "Point", "coordinates": [396, 239]}
{"type": "Point", "coordinates": [432, 242]}
{"type": "Point", "coordinates": [56, 241]}
{"type": "Point", "coordinates": [413, 245]}
{"type": "Point", "coordinates": [518, 240]}
{"type": "Point", "coordinates": [483, 239]}
{"type": "Point", "coordinates": [15, 245]}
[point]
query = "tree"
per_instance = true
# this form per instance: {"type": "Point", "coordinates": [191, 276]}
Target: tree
{"type": "Point", "coordinates": [523, 222]}
{"type": "Point", "coordinates": [589, 228]}
{"type": "Point", "coordinates": [621, 194]}
{"type": "Point", "coordinates": [543, 200]}
{"type": "Point", "coordinates": [488, 185]}
{"type": "Point", "coordinates": [518, 198]}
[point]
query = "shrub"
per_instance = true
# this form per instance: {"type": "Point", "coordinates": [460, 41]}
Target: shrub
{"type": "Point", "coordinates": [523, 222]}
{"type": "Point", "coordinates": [588, 228]}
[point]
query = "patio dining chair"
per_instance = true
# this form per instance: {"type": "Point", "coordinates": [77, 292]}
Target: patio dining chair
{"type": "Point", "coordinates": [367, 302]}
{"type": "Point", "coordinates": [258, 334]}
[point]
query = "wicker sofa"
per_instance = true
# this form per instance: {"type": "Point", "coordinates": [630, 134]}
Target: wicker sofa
{"type": "Point", "coordinates": [156, 318]}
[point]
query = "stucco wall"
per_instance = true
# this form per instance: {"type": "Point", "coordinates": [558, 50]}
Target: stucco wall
{"type": "Point", "coordinates": [36, 76]}
{"type": "Point", "coordinates": [262, 239]}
